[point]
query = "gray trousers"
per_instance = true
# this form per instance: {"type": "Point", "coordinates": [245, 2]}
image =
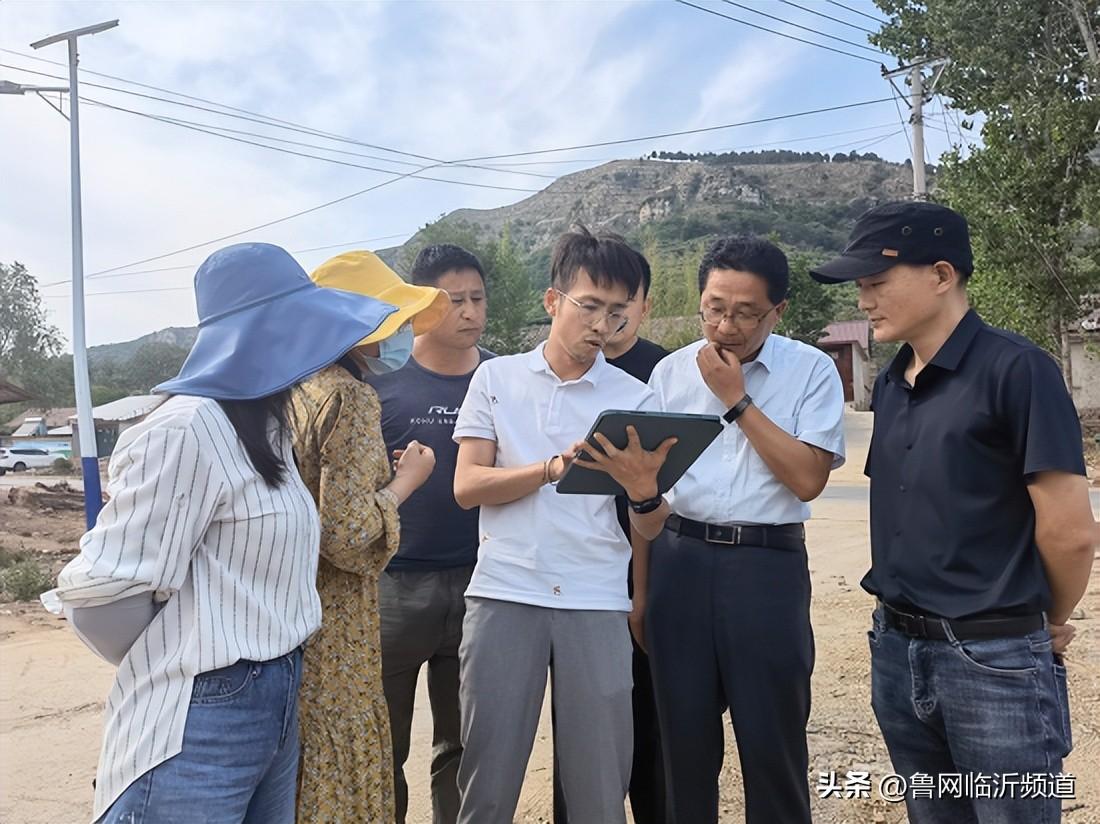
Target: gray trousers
{"type": "Point", "coordinates": [422, 624]}
{"type": "Point", "coordinates": [507, 650]}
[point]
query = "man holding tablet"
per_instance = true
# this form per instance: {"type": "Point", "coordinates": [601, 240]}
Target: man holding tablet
{"type": "Point", "coordinates": [726, 591]}
{"type": "Point", "coordinates": [548, 593]}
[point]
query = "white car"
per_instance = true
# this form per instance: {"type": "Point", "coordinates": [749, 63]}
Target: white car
{"type": "Point", "coordinates": [20, 458]}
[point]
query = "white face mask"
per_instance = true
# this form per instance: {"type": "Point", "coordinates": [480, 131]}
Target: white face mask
{"type": "Point", "coordinates": [393, 352]}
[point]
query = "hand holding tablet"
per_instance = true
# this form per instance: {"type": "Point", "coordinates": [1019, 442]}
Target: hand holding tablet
{"type": "Point", "coordinates": [623, 446]}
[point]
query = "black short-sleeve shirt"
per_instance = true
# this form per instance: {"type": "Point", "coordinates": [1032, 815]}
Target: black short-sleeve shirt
{"type": "Point", "coordinates": [436, 533]}
{"type": "Point", "coordinates": [639, 360]}
{"type": "Point", "coordinates": [952, 524]}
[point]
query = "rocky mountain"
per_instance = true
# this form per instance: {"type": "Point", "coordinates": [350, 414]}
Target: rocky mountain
{"type": "Point", "coordinates": [809, 205]}
{"type": "Point", "coordinates": [179, 336]}
{"type": "Point", "coordinates": [673, 196]}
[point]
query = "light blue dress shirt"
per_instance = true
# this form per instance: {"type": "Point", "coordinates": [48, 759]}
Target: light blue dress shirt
{"type": "Point", "coordinates": [797, 386]}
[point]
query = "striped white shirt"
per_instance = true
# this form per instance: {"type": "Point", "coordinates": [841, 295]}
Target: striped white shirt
{"type": "Point", "coordinates": [233, 561]}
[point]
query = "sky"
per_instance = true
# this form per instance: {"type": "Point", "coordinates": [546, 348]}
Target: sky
{"type": "Point", "coordinates": [445, 81]}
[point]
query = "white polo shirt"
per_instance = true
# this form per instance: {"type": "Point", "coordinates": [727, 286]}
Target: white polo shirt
{"type": "Point", "coordinates": [547, 549]}
{"type": "Point", "coordinates": [797, 386]}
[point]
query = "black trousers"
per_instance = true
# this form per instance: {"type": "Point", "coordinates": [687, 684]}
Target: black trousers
{"type": "Point", "coordinates": [729, 627]}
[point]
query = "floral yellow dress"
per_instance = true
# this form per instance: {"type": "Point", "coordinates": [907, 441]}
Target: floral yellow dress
{"type": "Point", "coordinates": [346, 772]}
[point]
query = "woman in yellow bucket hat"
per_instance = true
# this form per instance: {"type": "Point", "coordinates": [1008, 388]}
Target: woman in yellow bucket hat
{"type": "Point", "coordinates": [347, 767]}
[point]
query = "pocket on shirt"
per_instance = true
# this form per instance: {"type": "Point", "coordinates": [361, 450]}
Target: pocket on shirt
{"type": "Point", "coordinates": [225, 684]}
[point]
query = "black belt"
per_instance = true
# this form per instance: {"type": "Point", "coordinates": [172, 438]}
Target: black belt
{"type": "Point", "coordinates": [917, 625]}
{"type": "Point", "coordinates": [778, 536]}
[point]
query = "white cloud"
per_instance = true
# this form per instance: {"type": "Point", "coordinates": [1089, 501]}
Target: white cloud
{"type": "Point", "coordinates": [442, 79]}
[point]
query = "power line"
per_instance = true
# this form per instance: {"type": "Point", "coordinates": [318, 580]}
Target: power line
{"type": "Point", "coordinates": [413, 173]}
{"type": "Point", "coordinates": [494, 157]}
{"type": "Point", "coordinates": [256, 228]}
{"type": "Point", "coordinates": [829, 17]}
{"type": "Point", "coordinates": [856, 11]}
{"type": "Point", "coordinates": [1010, 208]}
{"type": "Point", "coordinates": [398, 177]}
{"type": "Point", "coordinates": [901, 119]}
{"type": "Point", "coordinates": [664, 135]}
{"type": "Point", "coordinates": [260, 119]}
{"type": "Point", "coordinates": [390, 237]}
{"type": "Point", "coordinates": [494, 167]}
{"type": "Point", "coordinates": [768, 144]}
{"type": "Point", "coordinates": [125, 291]}
{"type": "Point", "coordinates": [777, 33]}
{"type": "Point", "coordinates": [181, 121]}
{"type": "Point", "coordinates": [193, 266]}
{"type": "Point", "coordinates": [859, 145]}
{"type": "Point", "coordinates": [864, 144]}
{"type": "Point", "coordinates": [512, 154]}
{"type": "Point", "coordinates": [804, 28]}
{"type": "Point", "coordinates": [83, 70]}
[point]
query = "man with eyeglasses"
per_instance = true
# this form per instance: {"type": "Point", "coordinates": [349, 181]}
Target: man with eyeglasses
{"type": "Point", "coordinates": [636, 356]}
{"type": "Point", "coordinates": [723, 604]}
{"type": "Point", "coordinates": [548, 592]}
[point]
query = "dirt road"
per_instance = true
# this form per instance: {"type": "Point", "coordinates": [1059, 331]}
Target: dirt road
{"type": "Point", "coordinates": [51, 689]}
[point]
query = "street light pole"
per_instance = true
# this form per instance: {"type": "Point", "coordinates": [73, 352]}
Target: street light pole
{"type": "Point", "coordinates": [89, 453]}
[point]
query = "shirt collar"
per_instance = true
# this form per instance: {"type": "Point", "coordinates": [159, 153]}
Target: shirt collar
{"type": "Point", "coordinates": [950, 354]}
{"type": "Point", "coordinates": [536, 362]}
{"type": "Point", "coordinates": [766, 354]}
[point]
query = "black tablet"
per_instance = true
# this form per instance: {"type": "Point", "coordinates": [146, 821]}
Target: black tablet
{"type": "Point", "coordinates": [696, 432]}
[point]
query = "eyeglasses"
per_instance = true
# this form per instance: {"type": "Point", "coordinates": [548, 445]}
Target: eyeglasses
{"type": "Point", "coordinates": [592, 314]}
{"type": "Point", "coordinates": [713, 316]}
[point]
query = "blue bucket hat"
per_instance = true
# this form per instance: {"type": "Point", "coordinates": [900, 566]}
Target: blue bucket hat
{"type": "Point", "coordinates": [265, 326]}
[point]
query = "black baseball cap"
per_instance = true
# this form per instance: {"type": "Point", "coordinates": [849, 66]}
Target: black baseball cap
{"type": "Point", "coordinates": [904, 232]}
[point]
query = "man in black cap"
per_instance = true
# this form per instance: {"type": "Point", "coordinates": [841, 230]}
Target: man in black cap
{"type": "Point", "coordinates": [981, 530]}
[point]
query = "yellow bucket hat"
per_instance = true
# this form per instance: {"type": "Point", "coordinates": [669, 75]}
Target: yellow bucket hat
{"type": "Point", "coordinates": [364, 273]}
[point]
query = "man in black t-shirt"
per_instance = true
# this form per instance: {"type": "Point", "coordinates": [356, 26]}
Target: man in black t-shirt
{"type": "Point", "coordinates": [421, 592]}
{"type": "Point", "coordinates": [636, 356]}
{"type": "Point", "coordinates": [981, 530]}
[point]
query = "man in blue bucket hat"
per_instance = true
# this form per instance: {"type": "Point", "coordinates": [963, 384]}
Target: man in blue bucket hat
{"type": "Point", "coordinates": [198, 580]}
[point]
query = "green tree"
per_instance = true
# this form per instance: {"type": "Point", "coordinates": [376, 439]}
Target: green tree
{"type": "Point", "coordinates": [812, 306]}
{"type": "Point", "coordinates": [513, 302]}
{"type": "Point", "coordinates": [153, 362]}
{"type": "Point", "coordinates": [27, 339]}
{"type": "Point", "coordinates": [1031, 67]}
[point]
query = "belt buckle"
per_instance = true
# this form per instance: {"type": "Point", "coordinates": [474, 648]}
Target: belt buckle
{"type": "Point", "coordinates": [713, 531]}
{"type": "Point", "coordinates": [914, 625]}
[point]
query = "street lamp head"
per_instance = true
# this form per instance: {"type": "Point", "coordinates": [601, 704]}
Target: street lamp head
{"type": "Point", "coordinates": [75, 33]}
{"type": "Point", "coordinates": [10, 87]}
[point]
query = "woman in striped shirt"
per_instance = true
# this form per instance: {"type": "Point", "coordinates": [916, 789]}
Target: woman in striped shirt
{"type": "Point", "coordinates": [198, 579]}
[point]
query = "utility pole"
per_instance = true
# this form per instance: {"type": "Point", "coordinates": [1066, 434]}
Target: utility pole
{"type": "Point", "coordinates": [919, 94]}
{"type": "Point", "coordinates": [89, 452]}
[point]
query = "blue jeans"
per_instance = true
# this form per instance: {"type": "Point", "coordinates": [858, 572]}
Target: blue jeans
{"type": "Point", "coordinates": [239, 763]}
{"type": "Point", "coordinates": [994, 707]}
